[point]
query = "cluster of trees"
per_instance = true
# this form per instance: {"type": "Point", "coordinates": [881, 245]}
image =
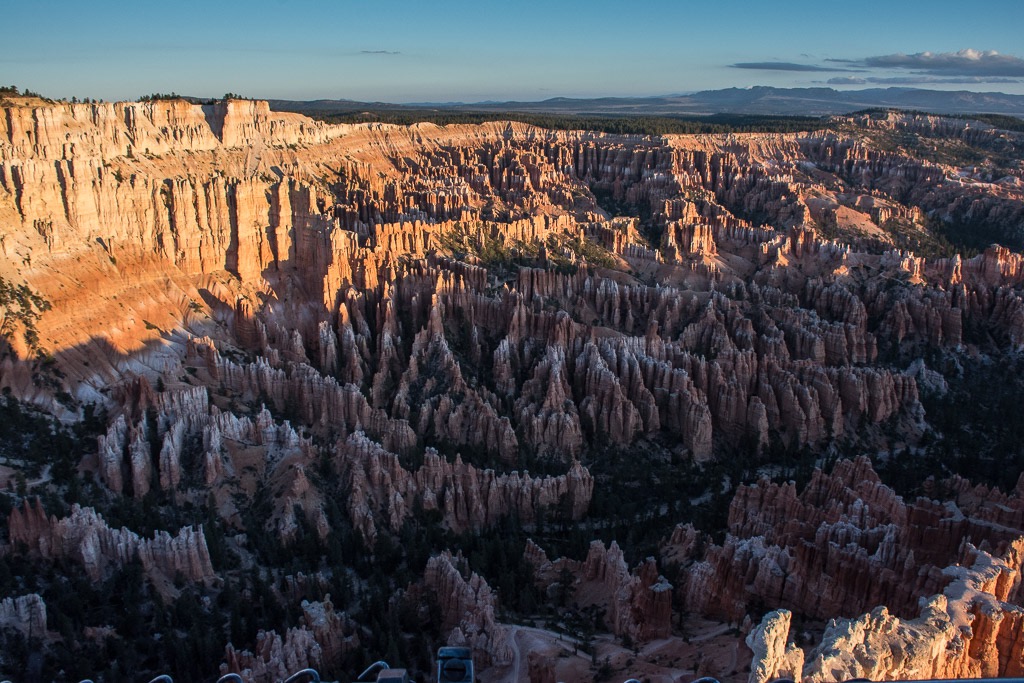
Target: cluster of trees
{"type": "Point", "coordinates": [31, 441]}
{"type": "Point", "coordinates": [159, 96]}
{"type": "Point", "coordinates": [13, 91]}
{"type": "Point", "coordinates": [20, 307]}
{"type": "Point", "coordinates": [624, 124]}
{"type": "Point", "coordinates": [938, 239]}
{"type": "Point", "coordinates": [1002, 121]}
{"type": "Point", "coordinates": [504, 257]}
{"type": "Point", "coordinates": [1014, 123]}
{"type": "Point", "coordinates": [977, 426]}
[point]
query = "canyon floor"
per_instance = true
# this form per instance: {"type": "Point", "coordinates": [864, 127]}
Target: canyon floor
{"type": "Point", "coordinates": [280, 393]}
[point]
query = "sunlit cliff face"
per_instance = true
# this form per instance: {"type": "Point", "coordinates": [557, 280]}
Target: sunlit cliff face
{"type": "Point", "coordinates": [143, 223]}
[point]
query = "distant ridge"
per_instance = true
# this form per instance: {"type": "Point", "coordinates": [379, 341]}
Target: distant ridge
{"type": "Point", "coordinates": [757, 100]}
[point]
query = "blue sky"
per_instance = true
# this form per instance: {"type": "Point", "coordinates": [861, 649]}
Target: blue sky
{"type": "Point", "coordinates": [407, 51]}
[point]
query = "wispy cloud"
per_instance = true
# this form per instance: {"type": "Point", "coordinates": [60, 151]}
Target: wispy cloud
{"type": "Point", "coordinates": [785, 66]}
{"type": "Point", "coordinates": [965, 67]}
{"type": "Point", "coordinates": [918, 80]}
{"type": "Point", "coordinates": [379, 52]}
{"type": "Point", "coordinates": [969, 62]}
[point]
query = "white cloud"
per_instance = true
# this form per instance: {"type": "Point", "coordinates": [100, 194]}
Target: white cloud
{"type": "Point", "coordinates": [969, 62]}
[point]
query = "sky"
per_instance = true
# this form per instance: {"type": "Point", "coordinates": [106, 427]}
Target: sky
{"type": "Point", "coordinates": [416, 51]}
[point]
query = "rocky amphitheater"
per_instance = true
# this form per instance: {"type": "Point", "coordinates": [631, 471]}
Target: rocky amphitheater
{"type": "Point", "coordinates": [321, 358]}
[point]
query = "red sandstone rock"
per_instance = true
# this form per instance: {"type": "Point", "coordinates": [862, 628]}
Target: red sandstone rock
{"type": "Point", "coordinates": [469, 498]}
{"type": "Point", "coordinates": [637, 604]}
{"type": "Point", "coordinates": [25, 613]}
{"type": "Point", "coordinates": [971, 629]}
{"type": "Point", "coordinates": [85, 538]}
{"type": "Point", "coordinates": [774, 656]}
{"type": "Point", "coordinates": [844, 545]}
{"type": "Point", "coordinates": [316, 276]}
{"type": "Point", "coordinates": [321, 640]}
{"type": "Point", "coordinates": [467, 611]}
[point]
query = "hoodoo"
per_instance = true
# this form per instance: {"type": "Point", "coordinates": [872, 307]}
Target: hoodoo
{"type": "Point", "coordinates": [283, 394]}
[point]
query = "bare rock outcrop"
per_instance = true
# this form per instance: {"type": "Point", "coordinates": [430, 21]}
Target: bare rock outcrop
{"type": "Point", "coordinates": [637, 604]}
{"type": "Point", "coordinates": [273, 657]}
{"type": "Point", "coordinates": [549, 420]}
{"type": "Point", "coordinates": [469, 498]}
{"type": "Point", "coordinates": [199, 445]}
{"type": "Point", "coordinates": [467, 610]}
{"type": "Point", "coordinates": [640, 603]}
{"type": "Point", "coordinates": [774, 656]}
{"type": "Point", "coordinates": [970, 630]}
{"type": "Point", "coordinates": [321, 639]}
{"type": "Point", "coordinates": [85, 538]}
{"type": "Point", "coordinates": [25, 613]}
{"type": "Point", "coordinates": [541, 668]}
{"type": "Point", "coordinates": [845, 544]}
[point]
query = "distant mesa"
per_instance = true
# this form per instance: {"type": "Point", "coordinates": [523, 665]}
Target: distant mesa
{"type": "Point", "coordinates": [819, 101]}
